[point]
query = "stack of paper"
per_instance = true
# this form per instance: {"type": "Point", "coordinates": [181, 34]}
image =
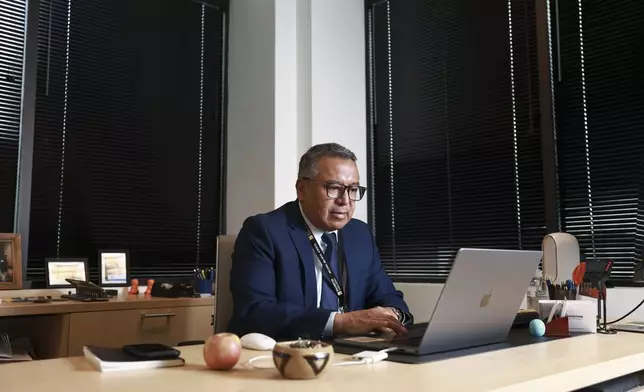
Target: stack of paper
{"type": "Point", "coordinates": [13, 353]}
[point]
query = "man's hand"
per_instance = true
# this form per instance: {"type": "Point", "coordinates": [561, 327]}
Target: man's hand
{"type": "Point", "coordinates": [362, 322]}
{"type": "Point", "coordinates": [388, 311]}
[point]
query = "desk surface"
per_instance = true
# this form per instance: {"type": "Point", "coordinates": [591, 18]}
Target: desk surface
{"type": "Point", "coordinates": [120, 303]}
{"type": "Point", "coordinates": [559, 365]}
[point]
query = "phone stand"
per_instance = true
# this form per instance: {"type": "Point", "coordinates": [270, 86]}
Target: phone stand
{"type": "Point", "coordinates": [86, 292]}
{"type": "Point", "coordinates": [601, 312]}
{"type": "Point", "coordinates": [597, 273]}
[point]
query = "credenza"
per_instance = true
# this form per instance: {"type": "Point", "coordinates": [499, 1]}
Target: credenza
{"type": "Point", "coordinates": [61, 329]}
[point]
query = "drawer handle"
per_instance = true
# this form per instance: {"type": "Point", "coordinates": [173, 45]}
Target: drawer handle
{"type": "Point", "coordinates": [157, 315]}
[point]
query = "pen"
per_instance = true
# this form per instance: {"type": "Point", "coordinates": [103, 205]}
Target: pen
{"type": "Point", "coordinates": [204, 273]}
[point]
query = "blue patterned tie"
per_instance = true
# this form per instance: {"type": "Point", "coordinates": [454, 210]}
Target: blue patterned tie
{"type": "Point", "coordinates": [329, 296]}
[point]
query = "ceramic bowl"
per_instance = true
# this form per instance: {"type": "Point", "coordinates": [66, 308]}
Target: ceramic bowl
{"type": "Point", "coordinates": [302, 359]}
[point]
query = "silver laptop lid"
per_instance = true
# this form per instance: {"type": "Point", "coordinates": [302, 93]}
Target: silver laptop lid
{"type": "Point", "coordinates": [480, 298]}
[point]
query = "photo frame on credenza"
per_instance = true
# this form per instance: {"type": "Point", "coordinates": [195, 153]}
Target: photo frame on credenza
{"type": "Point", "coordinates": [113, 267]}
{"type": "Point", "coordinates": [10, 261]}
{"type": "Point", "coordinates": [59, 269]}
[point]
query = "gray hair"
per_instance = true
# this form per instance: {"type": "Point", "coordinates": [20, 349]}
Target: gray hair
{"type": "Point", "coordinates": [309, 161]}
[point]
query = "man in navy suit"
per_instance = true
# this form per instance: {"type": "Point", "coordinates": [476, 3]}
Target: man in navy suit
{"type": "Point", "coordinates": [280, 280]}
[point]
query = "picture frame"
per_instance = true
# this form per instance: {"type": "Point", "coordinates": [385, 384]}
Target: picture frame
{"type": "Point", "coordinates": [113, 267]}
{"type": "Point", "coordinates": [59, 269]}
{"type": "Point", "coordinates": [10, 261]}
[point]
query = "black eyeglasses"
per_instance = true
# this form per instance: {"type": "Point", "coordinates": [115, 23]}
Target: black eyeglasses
{"type": "Point", "coordinates": [336, 191]}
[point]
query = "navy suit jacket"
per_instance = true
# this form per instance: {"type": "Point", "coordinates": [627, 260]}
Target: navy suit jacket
{"type": "Point", "coordinates": [272, 280]}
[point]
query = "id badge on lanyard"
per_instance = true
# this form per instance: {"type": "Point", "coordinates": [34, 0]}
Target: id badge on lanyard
{"type": "Point", "coordinates": [339, 291]}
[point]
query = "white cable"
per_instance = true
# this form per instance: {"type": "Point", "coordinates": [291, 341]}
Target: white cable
{"type": "Point", "coordinates": [361, 358]}
{"type": "Point", "coordinates": [252, 361]}
{"type": "Point", "coordinates": [367, 357]}
{"type": "Point", "coordinates": [347, 363]}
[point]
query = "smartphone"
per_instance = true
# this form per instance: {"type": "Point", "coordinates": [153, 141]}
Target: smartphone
{"type": "Point", "coordinates": [149, 351]}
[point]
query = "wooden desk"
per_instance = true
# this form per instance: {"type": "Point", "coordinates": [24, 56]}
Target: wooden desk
{"type": "Point", "coordinates": [560, 365]}
{"type": "Point", "coordinates": [60, 329]}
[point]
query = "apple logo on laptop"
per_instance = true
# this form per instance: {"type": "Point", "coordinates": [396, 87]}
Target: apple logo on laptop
{"type": "Point", "coordinates": [485, 300]}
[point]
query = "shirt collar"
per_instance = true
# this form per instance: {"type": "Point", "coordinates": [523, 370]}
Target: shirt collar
{"type": "Point", "coordinates": [317, 233]}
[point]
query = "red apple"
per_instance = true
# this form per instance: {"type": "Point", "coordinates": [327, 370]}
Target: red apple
{"type": "Point", "coordinates": [221, 351]}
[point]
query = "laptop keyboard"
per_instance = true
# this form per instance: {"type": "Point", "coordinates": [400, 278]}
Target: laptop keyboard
{"type": "Point", "coordinates": [407, 341]}
{"type": "Point", "coordinates": [415, 332]}
{"type": "Point", "coordinates": [418, 327]}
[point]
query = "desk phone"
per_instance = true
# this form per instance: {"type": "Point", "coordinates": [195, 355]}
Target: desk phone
{"type": "Point", "coordinates": [86, 292]}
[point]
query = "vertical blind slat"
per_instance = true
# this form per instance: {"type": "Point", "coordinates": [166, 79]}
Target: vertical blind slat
{"type": "Point", "coordinates": [457, 147]}
{"type": "Point", "coordinates": [600, 124]}
{"type": "Point", "coordinates": [12, 40]}
{"type": "Point", "coordinates": [457, 157]}
{"type": "Point", "coordinates": [128, 124]}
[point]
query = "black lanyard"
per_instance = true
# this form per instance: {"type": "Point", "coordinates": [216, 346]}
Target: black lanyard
{"type": "Point", "coordinates": [339, 291]}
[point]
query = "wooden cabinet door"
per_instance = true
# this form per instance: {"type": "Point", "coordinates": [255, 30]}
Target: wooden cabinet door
{"type": "Point", "coordinates": [119, 327]}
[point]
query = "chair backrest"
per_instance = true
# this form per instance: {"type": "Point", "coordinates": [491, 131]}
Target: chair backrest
{"type": "Point", "coordinates": [223, 298]}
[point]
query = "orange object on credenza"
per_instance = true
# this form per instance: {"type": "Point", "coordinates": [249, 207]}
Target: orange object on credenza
{"type": "Point", "coordinates": [148, 291]}
{"type": "Point", "coordinates": [134, 288]}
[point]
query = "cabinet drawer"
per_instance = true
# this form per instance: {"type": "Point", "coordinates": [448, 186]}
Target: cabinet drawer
{"type": "Point", "coordinates": [160, 325]}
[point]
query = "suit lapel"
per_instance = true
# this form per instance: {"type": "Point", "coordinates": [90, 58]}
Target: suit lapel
{"type": "Point", "coordinates": [351, 257]}
{"type": "Point", "coordinates": [300, 240]}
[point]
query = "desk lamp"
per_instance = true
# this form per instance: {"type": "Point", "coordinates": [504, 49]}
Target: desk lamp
{"type": "Point", "coordinates": [560, 256]}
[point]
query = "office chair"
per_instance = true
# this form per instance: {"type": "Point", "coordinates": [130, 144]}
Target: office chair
{"type": "Point", "coordinates": [223, 298]}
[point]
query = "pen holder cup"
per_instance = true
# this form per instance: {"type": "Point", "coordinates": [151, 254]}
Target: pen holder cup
{"type": "Point", "coordinates": [204, 286]}
{"type": "Point", "coordinates": [558, 327]}
{"type": "Point", "coordinates": [559, 294]}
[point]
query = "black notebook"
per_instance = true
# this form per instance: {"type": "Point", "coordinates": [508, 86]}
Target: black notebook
{"type": "Point", "coordinates": [107, 359]}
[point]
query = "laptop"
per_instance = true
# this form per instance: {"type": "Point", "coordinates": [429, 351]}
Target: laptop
{"type": "Point", "coordinates": [477, 305]}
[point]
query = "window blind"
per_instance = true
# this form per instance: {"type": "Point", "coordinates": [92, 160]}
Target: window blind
{"type": "Point", "coordinates": [456, 146]}
{"type": "Point", "coordinates": [12, 40]}
{"type": "Point", "coordinates": [599, 97]}
{"type": "Point", "coordinates": [128, 130]}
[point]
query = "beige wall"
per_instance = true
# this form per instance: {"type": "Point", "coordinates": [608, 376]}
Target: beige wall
{"type": "Point", "coordinates": [296, 78]}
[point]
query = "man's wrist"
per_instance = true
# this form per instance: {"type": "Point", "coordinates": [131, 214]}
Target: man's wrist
{"type": "Point", "coordinates": [337, 323]}
{"type": "Point", "coordinates": [403, 317]}
{"type": "Point", "coordinates": [329, 327]}
{"type": "Point", "coordinates": [398, 313]}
